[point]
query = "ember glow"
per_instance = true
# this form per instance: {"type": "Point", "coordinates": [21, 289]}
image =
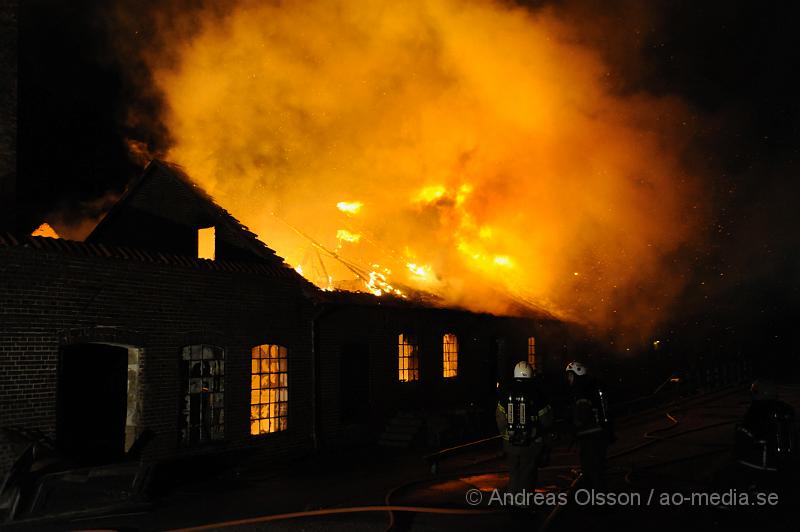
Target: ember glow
{"type": "Point", "coordinates": [419, 271]}
{"type": "Point", "coordinates": [343, 235]}
{"type": "Point", "coordinates": [489, 158]}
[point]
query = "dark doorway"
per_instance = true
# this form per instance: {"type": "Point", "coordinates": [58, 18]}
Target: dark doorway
{"type": "Point", "coordinates": [354, 383]}
{"type": "Point", "coordinates": [494, 378]}
{"type": "Point", "coordinates": [92, 402]}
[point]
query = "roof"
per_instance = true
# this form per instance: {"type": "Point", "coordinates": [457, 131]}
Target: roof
{"type": "Point", "coordinates": [236, 232]}
{"type": "Point", "coordinates": [348, 297]}
{"type": "Point", "coordinates": [267, 269]}
{"type": "Point", "coordinates": [269, 262]}
{"type": "Point", "coordinates": [86, 249]}
{"type": "Point", "coordinates": [424, 300]}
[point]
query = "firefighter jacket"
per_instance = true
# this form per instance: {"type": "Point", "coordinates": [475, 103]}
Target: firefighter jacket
{"type": "Point", "coordinates": [539, 415]}
{"type": "Point", "coordinates": [589, 408]}
{"type": "Point", "coordinates": [766, 439]}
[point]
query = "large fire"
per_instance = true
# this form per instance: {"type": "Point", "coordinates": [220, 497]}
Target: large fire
{"type": "Point", "coordinates": [471, 150]}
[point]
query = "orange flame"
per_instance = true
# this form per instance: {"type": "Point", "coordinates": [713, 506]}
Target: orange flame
{"type": "Point", "coordinates": [45, 230]}
{"type": "Point", "coordinates": [479, 135]}
{"type": "Point", "coordinates": [351, 207]}
{"type": "Point", "coordinates": [343, 235]}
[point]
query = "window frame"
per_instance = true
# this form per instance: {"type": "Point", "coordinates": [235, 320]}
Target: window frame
{"type": "Point", "coordinates": [276, 406]}
{"type": "Point", "coordinates": [408, 349]}
{"type": "Point", "coordinates": [531, 353]}
{"type": "Point", "coordinates": [210, 401]}
{"type": "Point", "coordinates": [453, 355]}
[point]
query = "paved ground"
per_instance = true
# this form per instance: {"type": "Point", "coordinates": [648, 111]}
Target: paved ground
{"type": "Point", "coordinates": [657, 457]}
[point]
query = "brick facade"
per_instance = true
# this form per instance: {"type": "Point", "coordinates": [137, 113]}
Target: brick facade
{"type": "Point", "coordinates": [135, 284]}
{"type": "Point", "coordinates": [49, 299]}
{"type": "Point", "coordinates": [489, 347]}
{"type": "Point", "coordinates": [62, 293]}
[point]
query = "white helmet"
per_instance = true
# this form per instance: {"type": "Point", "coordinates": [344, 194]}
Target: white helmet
{"type": "Point", "coordinates": [523, 370]}
{"type": "Point", "coordinates": [577, 368]}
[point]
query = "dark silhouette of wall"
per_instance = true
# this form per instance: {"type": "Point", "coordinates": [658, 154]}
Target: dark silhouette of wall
{"type": "Point", "coordinates": [8, 112]}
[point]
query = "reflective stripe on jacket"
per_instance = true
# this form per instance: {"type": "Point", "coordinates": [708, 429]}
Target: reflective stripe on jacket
{"type": "Point", "coordinates": [544, 417]}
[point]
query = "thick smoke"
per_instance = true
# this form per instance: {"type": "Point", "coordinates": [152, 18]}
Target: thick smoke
{"type": "Point", "coordinates": [489, 148]}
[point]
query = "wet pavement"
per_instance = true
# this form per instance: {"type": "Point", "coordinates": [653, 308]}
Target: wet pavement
{"type": "Point", "coordinates": [665, 472]}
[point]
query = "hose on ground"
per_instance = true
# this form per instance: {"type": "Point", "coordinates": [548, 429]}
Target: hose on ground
{"type": "Point", "coordinates": [653, 439]}
{"type": "Point", "coordinates": [650, 436]}
{"type": "Point", "coordinates": [332, 511]}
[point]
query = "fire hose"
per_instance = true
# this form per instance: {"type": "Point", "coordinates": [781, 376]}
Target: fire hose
{"type": "Point", "coordinates": [650, 436]}
{"type": "Point", "coordinates": [335, 511]}
{"type": "Point", "coordinates": [389, 508]}
{"type": "Point", "coordinates": [652, 439]}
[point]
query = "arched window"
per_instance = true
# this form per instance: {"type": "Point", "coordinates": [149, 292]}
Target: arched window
{"type": "Point", "coordinates": [408, 358]}
{"type": "Point", "coordinates": [269, 389]}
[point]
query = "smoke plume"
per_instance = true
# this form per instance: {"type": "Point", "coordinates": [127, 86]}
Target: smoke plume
{"type": "Point", "coordinates": [490, 156]}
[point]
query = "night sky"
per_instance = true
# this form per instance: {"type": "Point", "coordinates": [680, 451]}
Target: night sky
{"type": "Point", "coordinates": [734, 63]}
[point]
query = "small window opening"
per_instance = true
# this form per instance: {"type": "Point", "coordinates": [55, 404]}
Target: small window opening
{"type": "Point", "coordinates": [206, 243]}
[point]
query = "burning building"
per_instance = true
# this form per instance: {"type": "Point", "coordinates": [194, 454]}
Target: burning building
{"type": "Point", "coordinates": [173, 321]}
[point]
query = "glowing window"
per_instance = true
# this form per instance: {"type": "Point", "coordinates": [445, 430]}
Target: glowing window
{"type": "Point", "coordinates": [408, 362]}
{"type": "Point", "coordinates": [206, 243]}
{"type": "Point", "coordinates": [532, 351]}
{"type": "Point", "coordinates": [450, 355]}
{"type": "Point", "coordinates": [203, 412]}
{"type": "Point", "coordinates": [269, 389]}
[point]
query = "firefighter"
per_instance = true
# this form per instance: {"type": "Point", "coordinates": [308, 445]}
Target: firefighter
{"type": "Point", "coordinates": [523, 417]}
{"type": "Point", "coordinates": [766, 439]}
{"type": "Point", "coordinates": [591, 423]}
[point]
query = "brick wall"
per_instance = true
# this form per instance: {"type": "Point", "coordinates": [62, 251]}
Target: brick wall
{"type": "Point", "coordinates": [479, 362]}
{"type": "Point", "coordinates": [49, 298]}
